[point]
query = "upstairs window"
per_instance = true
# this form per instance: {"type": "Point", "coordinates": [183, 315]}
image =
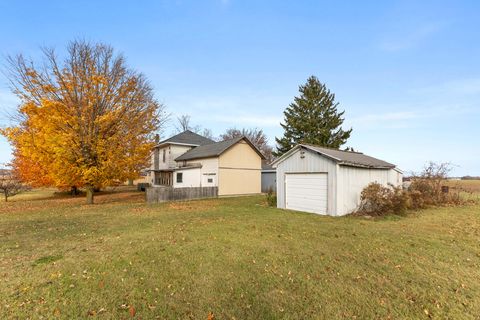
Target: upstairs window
{"type": "Point", "coordinates": [164, 155]}
{"type": "Point", "coordinates": [179, 177]}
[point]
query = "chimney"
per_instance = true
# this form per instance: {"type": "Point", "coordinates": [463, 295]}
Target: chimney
{"type": "Point", "coordinates": [157, 138]}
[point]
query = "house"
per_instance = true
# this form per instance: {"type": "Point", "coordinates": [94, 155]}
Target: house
{"type": "Point", "coordinates": [328, 181]}
{"type": "Point", "coordinates": [189, 160]}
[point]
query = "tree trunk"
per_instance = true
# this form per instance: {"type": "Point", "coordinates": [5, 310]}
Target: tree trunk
{"type": "Point", "coordinates": [6, 197]}
{"type": "Point", "coordinates": [89, 194]}
{"type": "Point", "coordinates": [130, 182]}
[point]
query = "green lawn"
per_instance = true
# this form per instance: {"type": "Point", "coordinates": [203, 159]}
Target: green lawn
{"type": "Point", "coordinates": [233, 257]}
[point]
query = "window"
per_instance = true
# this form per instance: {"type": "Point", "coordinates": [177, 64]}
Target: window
{"type": "Point", "coordinates": [210, 180]}
{"type": "Point", "coordinates": [164, 153]}
{"type": "Point", "coordinates": [179, 177]}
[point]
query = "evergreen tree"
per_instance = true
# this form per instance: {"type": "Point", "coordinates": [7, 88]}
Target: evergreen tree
{"type": "Point", "coordinates": [312, 118]}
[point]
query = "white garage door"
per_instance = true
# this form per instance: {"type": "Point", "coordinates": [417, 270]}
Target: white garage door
{"type": "Point", "coordinates": [306, 192]}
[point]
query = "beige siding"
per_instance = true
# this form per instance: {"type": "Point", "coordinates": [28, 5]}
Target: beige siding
{"type": "Point", "coordinates": [352, 180]}
{"type": "Point", "coordinates": [307, 162]}
{"type": "Point", "coordinates": [239, 171]}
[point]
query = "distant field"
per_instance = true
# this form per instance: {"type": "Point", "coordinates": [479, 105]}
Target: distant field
{"type": "Point", "coordinates": [468, 185]}
{"type": "Point", "coordinates": [123, 259]}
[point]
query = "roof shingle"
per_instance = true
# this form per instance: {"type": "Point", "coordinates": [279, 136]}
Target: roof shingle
{"type": "Point", "coordinates": [188, 137]}
{"type": "Point", "coordinates": [214, 149]}
{"type": "Point", "coordinates": [350, 158]}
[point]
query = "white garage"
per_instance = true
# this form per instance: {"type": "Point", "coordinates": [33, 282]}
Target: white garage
{"type": "Point", "coordinates": [306, 192]}
{"type": "Point", "coordinates": [328, 181]}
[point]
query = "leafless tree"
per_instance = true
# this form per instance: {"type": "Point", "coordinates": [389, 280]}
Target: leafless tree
{"type": "Point", "coordinates": [255, 135]}
{"type": "Point", "coordinates": [184, 124]}
{"type": "Point", "coordinates": [10, 185]}
{"type": "Point", "coordinates": [429, 183]}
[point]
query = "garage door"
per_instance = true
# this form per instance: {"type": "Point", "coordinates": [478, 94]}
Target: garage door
{"type": "Point", "coordinates": [306, 192]}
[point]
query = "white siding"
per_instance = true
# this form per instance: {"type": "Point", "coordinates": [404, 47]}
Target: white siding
{"type": "Point", "coordinates": [171, 152]}
{"type": "Point", "coordinates": [191, 178]}
{"type": "Point", "coordinates": [352, 180]}
{"type": "Point", "coordinates": [310, 163]}
{"type": "Point", "coordinates": [209, 170]}
{"type": "Point", "coordinates": [174, 151]}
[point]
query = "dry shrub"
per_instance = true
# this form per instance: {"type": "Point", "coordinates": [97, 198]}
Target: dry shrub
{"type": "Point", "coordinates": [271, 198]}
{"type": "Point", "coordinates": [426, 189]}
{"type": "Point", "coordinates": [378, 200]}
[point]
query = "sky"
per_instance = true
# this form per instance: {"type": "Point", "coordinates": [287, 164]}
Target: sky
{"type": "Point", "coordinates": [407, 73]}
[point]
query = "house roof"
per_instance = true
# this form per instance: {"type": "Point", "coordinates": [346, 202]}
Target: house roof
{"type": "Point", "coordinates": [187, 138]}
{"type": "Point", "coordinates": [346, 158]}
{"type": "Point", "coordinates": [214, 149]}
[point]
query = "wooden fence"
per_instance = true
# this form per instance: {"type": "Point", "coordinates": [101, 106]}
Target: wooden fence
{"type": "Point", "coordinates": [162, 194]}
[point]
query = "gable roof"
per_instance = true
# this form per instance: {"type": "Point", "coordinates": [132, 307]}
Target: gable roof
{"type": "Point", "coordinates": [346, 158]}
{"type": "Point", "coordinates": [187, 138]}
{"type": "Point", "coordinates": [214, 149]}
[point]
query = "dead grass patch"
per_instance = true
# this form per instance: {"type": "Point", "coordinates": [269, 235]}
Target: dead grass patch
{"type": "Point", "coordinates": [194, 205]}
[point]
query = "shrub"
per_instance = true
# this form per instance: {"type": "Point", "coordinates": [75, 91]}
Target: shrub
{"type": "Point", "coordinates": [426, 188]}
{"type": "Point", "coordinates": [378, 200]}
{"type": "Point", "coordinates": [400, 200]}
{"type": "Point", "coordinates": [271, 198]}
{"type": "Point", "coordinates": [416, 199]}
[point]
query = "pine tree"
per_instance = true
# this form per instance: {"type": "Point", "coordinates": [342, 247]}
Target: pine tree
{"type": "Point", "coordinates": [312, 118]}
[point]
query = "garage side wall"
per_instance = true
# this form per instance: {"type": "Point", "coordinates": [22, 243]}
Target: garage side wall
{"type": "Point", "coordinates": [352, 180]}
{"type": "Point", "coordinates": [310, 163]}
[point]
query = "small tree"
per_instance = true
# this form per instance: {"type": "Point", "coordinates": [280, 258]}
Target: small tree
{"type": "Point", "coordinates": [10, 185]}
{"type": "Point", "coordinates": [312, 118]}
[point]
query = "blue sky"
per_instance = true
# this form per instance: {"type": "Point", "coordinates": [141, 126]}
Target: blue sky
{"type": "Point", "coordinates": [407, 73]}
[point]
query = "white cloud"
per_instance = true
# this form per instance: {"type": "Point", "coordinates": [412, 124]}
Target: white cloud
{"type": "Point", "coordinates": [413, 116]}
{"type": "Point", "coordinates": [466, 86]}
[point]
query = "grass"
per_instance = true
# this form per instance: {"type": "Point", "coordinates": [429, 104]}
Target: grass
{"type": "Point", "coordinates": [234, 257]}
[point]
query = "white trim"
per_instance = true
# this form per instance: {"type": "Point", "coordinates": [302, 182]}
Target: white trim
{"type": "Point", "coordinates": [285, 155]}
{"type": "Point", "coordinates": [176, 143]}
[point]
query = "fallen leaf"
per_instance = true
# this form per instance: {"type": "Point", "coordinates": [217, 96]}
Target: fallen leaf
{"type": "Point", "coordinates": [132, 311]}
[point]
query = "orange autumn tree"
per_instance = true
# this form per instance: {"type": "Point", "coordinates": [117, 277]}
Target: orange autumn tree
{"type": "Point", "coordinates": [85, 121]}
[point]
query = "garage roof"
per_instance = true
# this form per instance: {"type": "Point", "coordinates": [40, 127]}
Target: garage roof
{"type": "Point", "coordinates": [346, 158]}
